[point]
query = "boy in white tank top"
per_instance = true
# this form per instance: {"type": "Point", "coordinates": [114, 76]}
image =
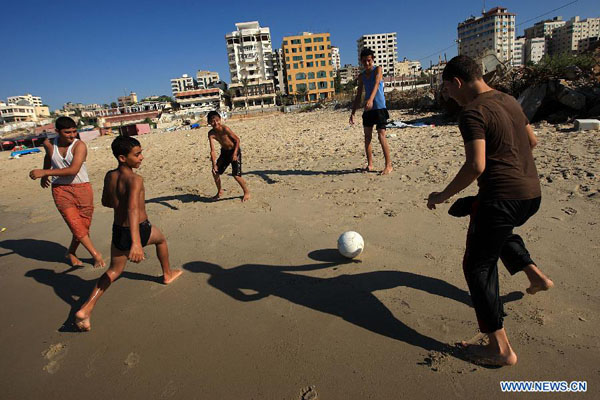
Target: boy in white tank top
{"type": "Point", "coordinates": [71, 188]}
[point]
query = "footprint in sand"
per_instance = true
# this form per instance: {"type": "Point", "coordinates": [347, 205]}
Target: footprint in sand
{"type": "Point", "coordinates": [131, 361]}
{"type": "Point", "coordinates": [169, 391]}
{"type": "Point", "coordinates": [309, 393]}
{"type": "Point", "coordinates": [54, 354]}
{"type": "Point", "coordinates": [91, 363]}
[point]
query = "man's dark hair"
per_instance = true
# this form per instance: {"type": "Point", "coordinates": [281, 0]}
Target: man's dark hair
{"type": "Point", "coordinates": [64, 123]}
{"type": "Point", "coordinates": [367, 52]}
{"type": "Point", "coordinates": [212, 114]}
{"type": "Point", "coordinates": [122, 145]}
{"type": "Point", "coordinates": [462, 67]}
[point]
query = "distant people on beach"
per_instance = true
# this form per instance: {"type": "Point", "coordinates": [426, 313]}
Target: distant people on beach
{"type": "Point", "coordinates": [124, 192]}
{"type": "Point", "coordinates": [375, 112]}
{"type": "Point", "coordinates": [498, 142]}
{"type": "Point", "coordinates": [71, 189]}
{"type": "Point", "coordinates": [231, 153]}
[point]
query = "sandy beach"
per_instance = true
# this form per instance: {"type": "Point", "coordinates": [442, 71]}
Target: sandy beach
{"type": "Point", "coordinates": [266, 308]}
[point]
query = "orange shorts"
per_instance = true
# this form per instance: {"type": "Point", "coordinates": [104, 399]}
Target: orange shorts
{"type": "Point", "coordinates": [75, 203]}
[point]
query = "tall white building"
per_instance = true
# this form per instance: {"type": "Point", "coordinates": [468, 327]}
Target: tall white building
{"type": "Point", "coordinates": [182, 84]}
{"type": "Point", "coordinates": [35, 101]}
{"type": "Point", "coordinates": [518, 59]}
{"type": "Point", "coordinates": [250, 57]}
{"type": "Point", "coordinates": [249, 52]}
{"type": "Point", "coordinates": [205, 78]}
{"type": "Point", "coordinates": [576, 35]}
{"type": "Point", "coordinates": [494, 29]}
{"type": "Point", "coordinates": [335, 58]}
{"type": "Point", "coordinates": [535, 49]}
{"type": "Point", "coordinates": [385, 47]}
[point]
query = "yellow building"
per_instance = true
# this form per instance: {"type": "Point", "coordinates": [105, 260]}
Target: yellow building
{"type": "Point", "coordinates": [308, 67]}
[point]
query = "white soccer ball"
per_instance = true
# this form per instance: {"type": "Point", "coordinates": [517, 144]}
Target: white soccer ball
{"type": "Point", "coordinates": [350, 244]}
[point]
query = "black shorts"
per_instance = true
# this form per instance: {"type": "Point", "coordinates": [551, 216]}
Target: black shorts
{"type": "Point", "coordinates": [377, 117]}
{"type": "Point", "coordinates": [121, 235]}
{"type": "Point", "coordinates": [225, 158]}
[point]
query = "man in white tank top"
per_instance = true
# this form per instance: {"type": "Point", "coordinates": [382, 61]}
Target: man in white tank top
{"type": "Point", "coordinates": [71, 188]}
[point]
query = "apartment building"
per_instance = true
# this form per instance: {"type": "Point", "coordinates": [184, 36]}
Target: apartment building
{"type": "Point", "coordinates": [519, 52]}
{"type": "Point", "coordinates": [576, 35]}
{"type": "Point", "coordinates": [211, 99]}
{"type": "Point", "coordinates": [18, 113]}
{"type": "Point", "coordinates": [127, 100]}
{"type": "Point", "coordinates": [182, 84]}
{"type": "Point", "coordinates": [250, 57]}
{"type": "Point", "coordinates": [278, 70]}
{"type": "Point", "coordinates": [32, 100]}
{"type": "Point", "coordinates": [205, 78]}
{"type": "Point", "coordinates": [335, 58]}
{"type": "Point", "coordinates": [385, 47]}
{"type": "Point", "coordinates": [407, 68]}
{"type": "Point", "coordinates": [535, 49]}
{"type": "Point", "coordinates": [348, 73]}
{"type": "Point", "coordinates": [308, 66]}
{"type": "Point", "coordinates": [494, 29]}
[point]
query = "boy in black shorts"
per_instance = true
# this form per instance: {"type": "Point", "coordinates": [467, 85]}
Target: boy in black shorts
{"type": "Point", "coordinates": [124, 192]}
{"type": "Point", "coordinates": [375, 113]}
{"type": "Point", "coordinates": [230, 154]}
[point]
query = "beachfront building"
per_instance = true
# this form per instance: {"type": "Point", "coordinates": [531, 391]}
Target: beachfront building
{"type": "Point", "coordinates": [18, 113]}
{"type": "Point", "coordinates": [544, 29]}
{"type": "Point", "coordinates": [182, 84]}
{"type": "Point", "coordinates": [407, 68]}
{"type": "Point", "coordinates": [519, 52]}
{"type": "Point", "coordinates": [205, 78]}
{"type": "Point", "coordinates": [250, 58]}
{"type": "Point", "coordinates": [492, 30]}
{"type": "Point", "coordinates": [535, 49]}
{"type": "Point", "coordinates": [127, 100]}
{"type": "Point", "coordinates": [335, 58]}
{"type": "Point", "coordinates": [278, 71]}
{"type": "Point", "coordinates": [575, 36]}
{"type": "Point", "coordinates": [348, 73]}
{"type": "Point", "coordinates": [31, 100]}
{"type": "Point", "coordinates": [308, 66]}
{"type": "Point", "coordinates": [385, 47]}
{"type": "Point", "coordinates": [208, 99]}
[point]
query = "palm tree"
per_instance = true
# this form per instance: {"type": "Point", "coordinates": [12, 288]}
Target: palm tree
{"type": "Point", "coordinates": [301, 93]}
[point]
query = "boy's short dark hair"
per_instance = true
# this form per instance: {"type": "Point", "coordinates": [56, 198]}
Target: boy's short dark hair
{"type": "Point", "coordinates": [463, 67]}
{"type": "Point", "coordinates": [64, 123]}
{"type": "Point", "coordinates": [122, 145]}
{"type": "Point", "coordinates": [212, 114]}
{"type": "Point", "coordinates": [367, 52]}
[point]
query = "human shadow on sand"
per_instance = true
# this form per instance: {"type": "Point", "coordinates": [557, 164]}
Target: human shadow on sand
{"type": "Point", "coordinates": [41, 250]}
{"type": "Point", "coordinates": [186, 198]}
{"type": "Point", "coordinates": [349, 297]}
{"type": "Point", "coordinates": [265, 174]}
{"type": "Point", "coordinates": [74, 290]}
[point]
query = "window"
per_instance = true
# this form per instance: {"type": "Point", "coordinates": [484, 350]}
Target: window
{"type": "Point", "coordinates": [312, 86]}
{"type": "Point", "coordinates": [312, 96]}
{"type": "Point", "coordinates": [284, 42]}
{"type": "Point", "coordinates": [321, 47]}
{"type": "Point", "coordinates": [322, 85]}
{"type": "Point", "coordinates": [295, 65]}
{"type": "Point", "coordinates": [311, 75]}
{"type": "Point", "coordinates": [296, 41]}
{"type": "Point", "coordinates": [287, 59]}
{"type": "Point", "coordinates": [297, 58]}
{"type": "Point", "coordinates": [291, 88]}
{"type": "Point", "coordinates": [309, 64]}
{"type": "Point", "coordinates": [308, 48]}
{"type": "Point", "coordinates": [308, 40]}
{"type": "Point", "coordinates": [287, 66]}
{"type": "Point", "coordinates": [321, 55]}
{"type": "Point", "coordinates": [318, 39]}
{"type": "Point", "coordinates": [323, 63]}
{"type": "Point", "coordinates": [289, 77]}
{"type": "Point", "coordinates": [321, 74]}
{"type": "Point", "coordinates": [294, 50]}
{"type": "Point", "coordinates": [301, 86]}
{"type": "Point", "coordinates": [287, 50]}
{"type": "Point", "coordinates": [300, 75]}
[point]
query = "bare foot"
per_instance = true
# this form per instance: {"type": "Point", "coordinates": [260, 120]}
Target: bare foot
{"type": "Point", "coordinates": [99, 262]}
{"type": "Point", "coordinates": [386, 170]}
{"type": "Point", "coordinates": [82, 321]}
{"type": "Point", "coordinates": [175, 273]}
{"type": "Point", "coordinates": [218, 195]}
{"type": "Point", "coordinates": [72, 258]}
{"type": "Point", "coordinates": [368, 168]}
{"type": "Point", "coordinates": [246, 197]}
{"type": "Point", "coordinates": [541, 286]}
{"type": "Point", "coordinates": [486, 355]}
{"type": "Point", "coordinates": [537, 280]}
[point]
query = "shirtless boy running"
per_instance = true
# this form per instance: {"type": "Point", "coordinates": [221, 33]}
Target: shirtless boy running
{"type": "Point", "coordinates": [230, 154]}
{"type": "Point", "coordinates": [124, 191]}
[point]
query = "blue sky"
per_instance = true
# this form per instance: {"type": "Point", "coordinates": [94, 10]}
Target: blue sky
{"type": "Point", "coordinates": [93, 52]}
